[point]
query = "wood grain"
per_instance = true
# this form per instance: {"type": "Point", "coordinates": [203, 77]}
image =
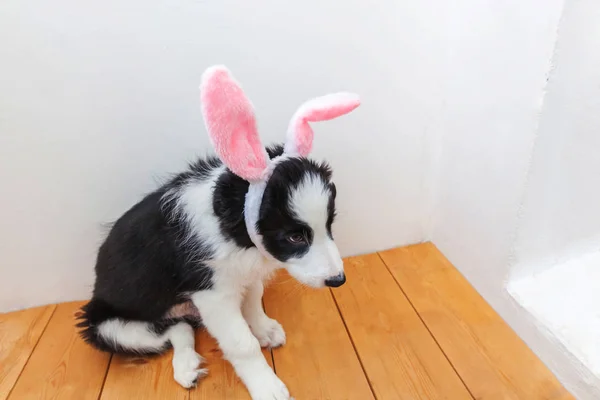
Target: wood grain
{"type": "Point", "coordinates": [42, 356]}
{"type": "Point", "coordinates": [142, 378]}
{"type": "Point", "coordinates": [221, 381]}
{"type": "Point", "coordinates": [19, 334]}
{"type": "Point", "coordinates": [400, 357]}
{"type": "Point", "coordinates": [318, 360]}
{"type": "Point", "coordinates": [491, 359]}
{"type": "Point", "coordinates": [152, 377]}
{"type": "Point", "coordinates": [62, 366]}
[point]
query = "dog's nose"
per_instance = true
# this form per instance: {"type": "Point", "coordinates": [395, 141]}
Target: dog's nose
{"type": "Point", "coordinates": [336, 281]}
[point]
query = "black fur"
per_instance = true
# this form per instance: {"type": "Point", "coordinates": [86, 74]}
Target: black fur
{"type": "Point", "coordinates": [146, 264]}
{"type": "Point", "coordinates": [144, 267]}
{"type": "Point", "coordinates": [276, 220]}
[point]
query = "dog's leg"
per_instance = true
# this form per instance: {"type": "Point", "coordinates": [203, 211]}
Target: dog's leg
{"type": "Point", "coordinates": [222, 315]}
{"type": "Point", "coordinates": [269, 332]}
{"type": "Point", "coordinates": [186, 361]}
{"type": "Point", "coordinates": [141, 338]}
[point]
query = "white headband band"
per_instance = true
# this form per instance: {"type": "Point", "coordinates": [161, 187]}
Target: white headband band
{"type": "Point", "coordinates": [254, 197]}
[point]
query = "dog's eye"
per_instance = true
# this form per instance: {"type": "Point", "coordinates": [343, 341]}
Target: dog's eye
{"type": "Point", "coordinates": [296, 238]}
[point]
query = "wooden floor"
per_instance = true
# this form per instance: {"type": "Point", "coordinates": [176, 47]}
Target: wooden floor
{"type": "Point", "coordinates": [406, 325]}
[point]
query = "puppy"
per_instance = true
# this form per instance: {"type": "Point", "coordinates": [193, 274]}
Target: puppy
{"type": "Point", "coordinates": [198, 250]}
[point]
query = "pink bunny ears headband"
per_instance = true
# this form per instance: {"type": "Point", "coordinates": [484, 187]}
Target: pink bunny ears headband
{"type": "Point", "coordinates": [230, 121]}
{"type": "Point", "coordinates": [231, 125]}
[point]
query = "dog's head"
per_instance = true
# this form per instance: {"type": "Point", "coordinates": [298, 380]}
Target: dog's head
{"type": "Point", "coordinates": [290, 205]}
{"type": "Point", "coordinates": [296, 215]}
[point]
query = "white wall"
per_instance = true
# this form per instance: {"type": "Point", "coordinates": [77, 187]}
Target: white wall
{"type": "Point", "coordinates": [516, 190]}
{"type": "Point", "coordinates": [100, 98]}
{"type": "Point", "coordinates": [561, 211]}
{"type": "Point", "coordinates": [555, 269]}
{"type": "Point", "coordinates": [500, 58]}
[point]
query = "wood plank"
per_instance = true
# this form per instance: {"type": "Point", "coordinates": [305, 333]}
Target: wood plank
{"type": "Point", "coordinates": [152, 377]}
{"type": "Point", "coordinates": [19, 334]}
{"type": "Point", "coordinates": [62, 366]}
{"type": "Point", "coordinates": [491, 359]}
{"type": "Point", "coordinates": [142, 378]}
{"type": "Point", "coordinates": [318, 360]}
{"type": "Point", "coordinates": [221, 381]}
{"type": "Point", "coordinates": [401, 359]}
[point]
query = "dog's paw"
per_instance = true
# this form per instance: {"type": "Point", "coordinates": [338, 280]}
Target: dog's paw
{"type": "Point", "coordinates": [185, 368]}
{"type": "Point", "coordinates": [271, 389]}
{"type": "Point", "coordinates": [269, 333]}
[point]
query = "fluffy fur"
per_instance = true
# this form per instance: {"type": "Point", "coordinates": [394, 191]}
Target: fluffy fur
{"type": "Point", "coordinates": [182, 257]}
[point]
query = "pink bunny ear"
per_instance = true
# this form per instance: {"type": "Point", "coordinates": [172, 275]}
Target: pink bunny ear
{"type": "Point", "coordinates": [231, 125]}
{"type": "Point", "coordinates": [300, 134]}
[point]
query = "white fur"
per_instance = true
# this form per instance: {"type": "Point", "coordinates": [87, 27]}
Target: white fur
{"type": "Point", "coordinates": [221, 310]}
{"type": "Point", "coordinates": [195, 202]}
{"type": "Point", "coordinates": [131, 334]}
{"type": "Point", "coordinates": [309, 202]}
{"type": "Point", "coordinates": [269, 332]}
{"type": "Point", "coordinates": [186, 361]}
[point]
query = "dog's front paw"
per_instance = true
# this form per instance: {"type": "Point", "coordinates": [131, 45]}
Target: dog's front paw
{"type": "Point", "coordinates": [271, 389]}
{"type": "Point", "coordinates": [269, 333]}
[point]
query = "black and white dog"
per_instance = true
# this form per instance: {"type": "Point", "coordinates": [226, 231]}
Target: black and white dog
{"type": "Point", "coordinates": [199, 250]}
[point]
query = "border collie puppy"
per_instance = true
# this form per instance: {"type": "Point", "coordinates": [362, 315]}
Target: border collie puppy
{"type": "Point", "coordinates": [199, 250]}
